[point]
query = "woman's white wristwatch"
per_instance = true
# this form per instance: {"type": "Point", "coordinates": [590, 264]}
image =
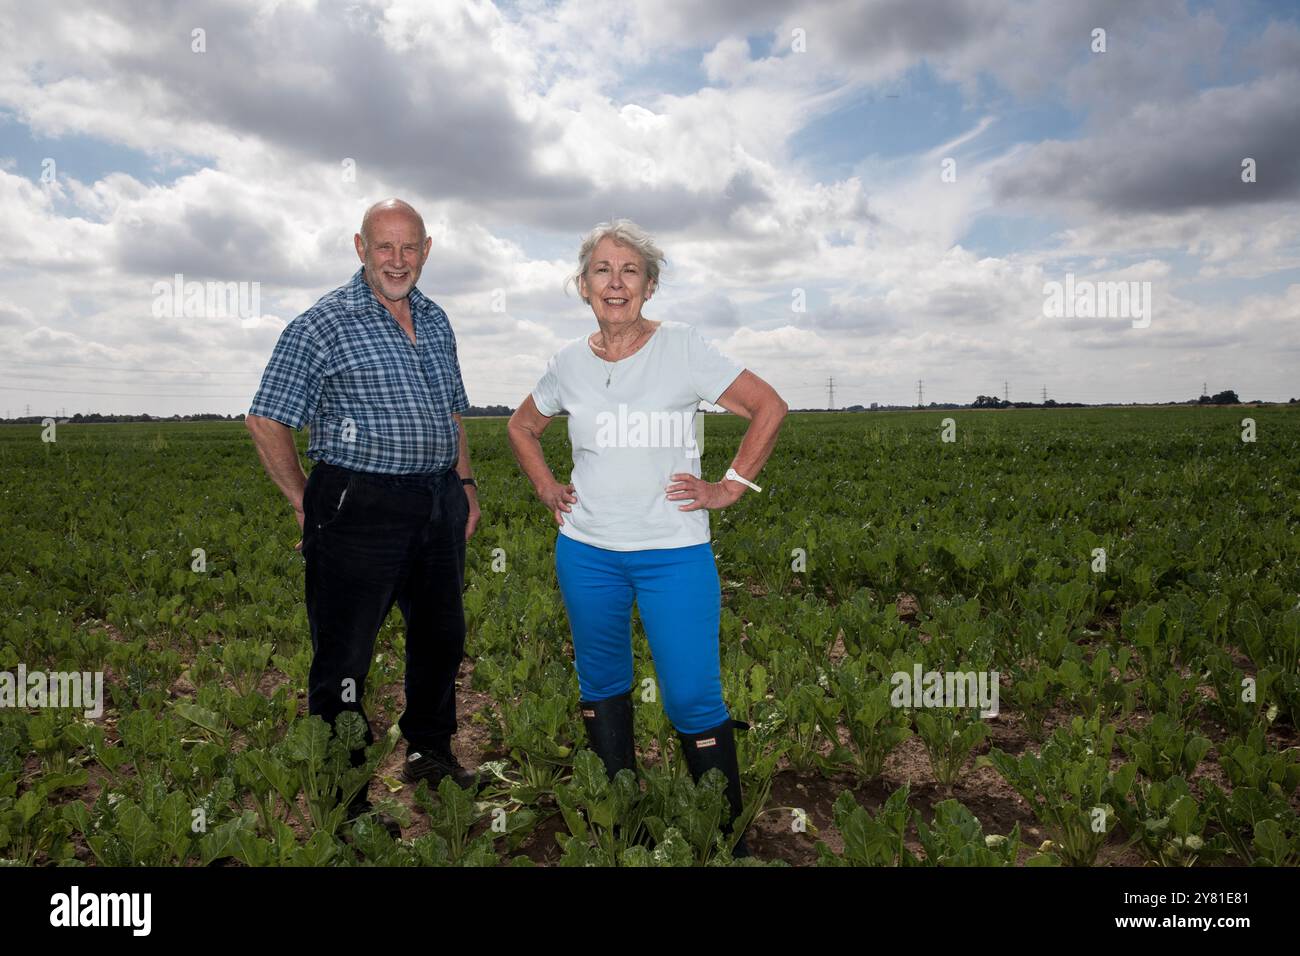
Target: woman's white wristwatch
{"type": "Point", "coordinates": [733, 476]}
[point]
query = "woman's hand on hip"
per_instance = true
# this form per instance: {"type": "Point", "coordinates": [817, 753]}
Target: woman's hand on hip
{"type": "Point", "coordinates": [558, 498]}
{"type": "Point", "coordinates": [702, 494]}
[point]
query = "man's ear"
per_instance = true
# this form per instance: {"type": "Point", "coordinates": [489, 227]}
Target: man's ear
{"type": "Point", "coordinates": [428, 247]}
{"type": "Point", "coordinates": [361, 246]}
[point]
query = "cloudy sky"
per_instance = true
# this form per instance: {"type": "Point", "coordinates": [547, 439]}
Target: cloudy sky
{"type": "Point", "coordinates": [874, 191]}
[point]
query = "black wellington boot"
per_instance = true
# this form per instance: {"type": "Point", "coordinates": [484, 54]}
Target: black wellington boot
{"type": "Point", "coordinates": [717, 748]}
{"type": "Point", "coordinates": [609, 732]}
{"type": "Point", "coordinates": [611, 737]}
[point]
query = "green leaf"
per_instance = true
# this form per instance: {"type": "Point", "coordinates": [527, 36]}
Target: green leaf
{"type": "Point", "coordinates": [589, 778]}
{"type": "Point", "coordinates": [202, 717]}
{"type": "Point", "coordinates": [138, 834]}
{"type": "Point", "coordinates": [350, 728]}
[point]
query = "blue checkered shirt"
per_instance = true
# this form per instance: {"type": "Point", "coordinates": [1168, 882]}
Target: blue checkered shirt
{"type": "Point", "coordinates": [373, 401]}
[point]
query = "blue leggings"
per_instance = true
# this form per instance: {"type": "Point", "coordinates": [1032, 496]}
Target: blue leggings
{"type": "Point", "coordinates": [677, 592]}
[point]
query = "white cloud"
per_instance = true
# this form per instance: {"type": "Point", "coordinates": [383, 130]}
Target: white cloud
{"type": "Point", "coordinates": [514, 130]}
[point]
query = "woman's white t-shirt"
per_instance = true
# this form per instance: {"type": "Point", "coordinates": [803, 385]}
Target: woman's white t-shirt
{"type": "Point", "coordinates": [629, 437]}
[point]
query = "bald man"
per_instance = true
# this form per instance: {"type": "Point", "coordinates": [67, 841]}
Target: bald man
{"type": "Point", "coordinates": [372, 370]}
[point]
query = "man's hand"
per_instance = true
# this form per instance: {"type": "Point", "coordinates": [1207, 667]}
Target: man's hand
{"type": "Point", "coordinates": [472, 493]}
{"type": "Point", "coordinates": [279, 454]}
{"type": "Point", "coordinates": [703, 494]}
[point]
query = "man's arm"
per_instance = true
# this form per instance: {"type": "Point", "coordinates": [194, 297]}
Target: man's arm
{"type": "Point", "coordinates": [464, 470]}
{"type": "Point", "coordinates": [275, 446]}
{"type": "Point", "coordinates": [286, 399]}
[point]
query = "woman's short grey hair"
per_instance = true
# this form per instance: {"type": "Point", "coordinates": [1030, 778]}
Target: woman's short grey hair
{"type": "Point", "coordinates": [626, 233]}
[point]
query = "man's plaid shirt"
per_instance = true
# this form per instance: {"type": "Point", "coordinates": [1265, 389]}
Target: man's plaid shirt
{"type": "Point", "coordinates": [373, 401]}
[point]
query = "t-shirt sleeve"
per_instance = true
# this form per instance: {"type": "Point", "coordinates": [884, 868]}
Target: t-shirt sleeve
{"type": "Point", "coordinates": [291, 384]}
{"type": "Point", "coordinates": [546, 395]}
{"type": "Point", "coordinates": [711, 372]}
{"type": "Point", "coordinates": [459, 401]}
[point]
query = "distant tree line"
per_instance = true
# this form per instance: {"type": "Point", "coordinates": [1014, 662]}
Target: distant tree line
{"type": "Point", "coordinates": [1226, 397]}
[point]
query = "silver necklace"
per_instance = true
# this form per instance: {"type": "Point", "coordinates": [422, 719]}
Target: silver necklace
{"type": "Point", "coordinates": [609, 375]}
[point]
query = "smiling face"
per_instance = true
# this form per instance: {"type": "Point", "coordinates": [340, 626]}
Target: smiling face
{"type": "Point", "coordinates": [615, 283]}
{"type": "Point", "coordinates": [393, 252]}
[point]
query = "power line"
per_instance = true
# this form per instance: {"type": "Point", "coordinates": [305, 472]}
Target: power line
{"type": "Point", "coordinates": [121, 368]}
{"type": "Point", "coordinates": [252, 377]}
{"type": "Point", "coordinates": [830, 397]}
{"type": "Point", "coordinates": [791, 388]}
{"type": "Point", "coordinates": [918, 393]}
{"type": "Point", "coordinates": [56, 379]}
{"type": "Point", "coordinates": [72, 391]}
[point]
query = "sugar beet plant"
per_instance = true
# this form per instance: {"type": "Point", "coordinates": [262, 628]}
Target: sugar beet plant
{"type": "Point", "coordinates": [1117, 568]}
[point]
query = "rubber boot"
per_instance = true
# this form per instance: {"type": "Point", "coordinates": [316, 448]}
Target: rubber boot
{"type": "Point", "coordinates": [717, 748]}
{"type": "Point", "coordinates": [609, 732]}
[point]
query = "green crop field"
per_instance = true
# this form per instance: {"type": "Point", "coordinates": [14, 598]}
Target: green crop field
{"type": "Point", "coordinates": [1127, 579]}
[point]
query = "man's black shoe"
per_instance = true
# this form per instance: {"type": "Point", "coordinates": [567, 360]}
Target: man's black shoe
{"type": "Point", "coordinates": [434, 763]}
{"type": "Point", "coordinates": [361, 805]}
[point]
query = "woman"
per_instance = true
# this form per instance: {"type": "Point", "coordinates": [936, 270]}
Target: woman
{"type": "Point", "coordinates": [633, 521]}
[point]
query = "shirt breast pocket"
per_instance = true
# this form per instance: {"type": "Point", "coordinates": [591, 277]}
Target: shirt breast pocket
{"type": "Point", "coordinates": [438, 368]}
{"type": "Point", "coordinates": [372, 384]}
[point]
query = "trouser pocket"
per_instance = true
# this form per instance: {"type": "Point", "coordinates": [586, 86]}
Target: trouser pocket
{"type": "Point", "coordinates": [325, 500]}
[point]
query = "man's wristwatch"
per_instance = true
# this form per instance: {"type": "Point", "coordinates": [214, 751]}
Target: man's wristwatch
{"type": "Point", "coordinates": [469, 481]}
{"type": "Point", "coordinates": [734, 476]}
